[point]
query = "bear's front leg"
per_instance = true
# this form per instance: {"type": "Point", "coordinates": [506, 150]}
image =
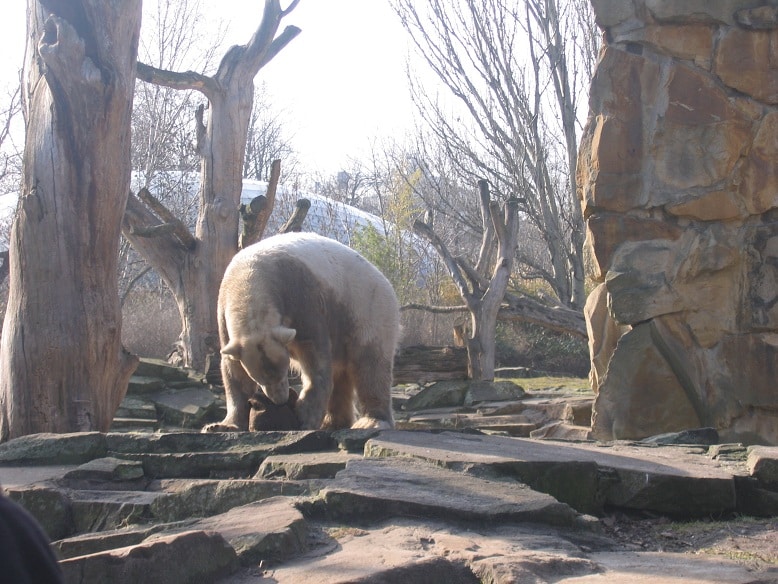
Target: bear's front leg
{"type": "Point", "coordinates": [316, 372]}
{"type": "Point", "coordinates": [238, 388]}
{"type": "Point", "coordinates": [313, 400]}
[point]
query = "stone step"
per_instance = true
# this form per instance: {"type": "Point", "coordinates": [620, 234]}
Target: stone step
{"type": "Point", "coordinates": [379, 488]}
{"type": "Point", "coordinates": [318, 465]}
{"type": "Point", "coordinates": [193, 556]}
{"type": "Point", "coordinates": [583, 475]}
{"type": "Point", "coordinates": [134, 424]}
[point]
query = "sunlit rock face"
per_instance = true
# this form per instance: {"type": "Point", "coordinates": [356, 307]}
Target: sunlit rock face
{"type": "Point", "coordinates": [678, 180]}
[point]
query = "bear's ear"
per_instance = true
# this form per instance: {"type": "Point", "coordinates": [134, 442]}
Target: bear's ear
{"type": "Point", "coordinates": [283, 335]}
{"type": "Point", "coordinates": [232, 350]}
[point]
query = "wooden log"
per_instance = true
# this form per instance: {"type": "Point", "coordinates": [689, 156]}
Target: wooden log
{"type": "Point", "coordinates": [422, 364]}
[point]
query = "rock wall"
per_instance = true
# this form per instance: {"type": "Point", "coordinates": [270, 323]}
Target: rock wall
{"type": "Point", "coordinates": [678, 179]}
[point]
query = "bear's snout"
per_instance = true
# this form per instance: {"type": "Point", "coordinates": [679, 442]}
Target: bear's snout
{"type": "Point", "coordinates": [278, 393]}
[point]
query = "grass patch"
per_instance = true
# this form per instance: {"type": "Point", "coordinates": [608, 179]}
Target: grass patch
{"type": "Point", "coordinates": [566, 384]}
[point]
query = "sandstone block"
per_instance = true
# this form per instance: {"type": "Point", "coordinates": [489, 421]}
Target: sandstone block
{"type": "Point", "coordinates": [270, 530]}
{"type": "Point", "coordinates": [641, 394]}
{"type": "Point", "coordinates": [395, 487]}
{"type": "Point", "coordinates": [304, 466]}
{"type": "Point", "coordinates": [604, 333]}
{"type": "Point", "coordinates": [684, 11]}
{"type": "Point", "coordinates": [759, 185]}
{"type": "Point", "coordinates": [745, 61]}
{"type": "Point", "coordinates": [688, 42]}
{"type": "Point", "coordinates": [612, 12]}
{"type": "Point", "coordinates": [666, 481]}
{"type": "Point", "coordinates": [42, 449]}
{"type": "Point", "coordinates": [607, 231]}
{"type": "Point", "coordinates": [208, 557]}
{"type": "Point", "coordinates": [763, 464]}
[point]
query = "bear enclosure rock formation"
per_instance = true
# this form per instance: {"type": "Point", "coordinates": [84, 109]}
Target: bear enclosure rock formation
{"type": "Point", "coordinates": [679, 186]}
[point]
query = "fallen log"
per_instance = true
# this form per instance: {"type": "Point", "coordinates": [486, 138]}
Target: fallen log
{"type": "Point", "coordinates": [422, 364]}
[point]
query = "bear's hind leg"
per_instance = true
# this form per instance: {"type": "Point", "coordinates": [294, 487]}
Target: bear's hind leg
{"type": "Point", "coordinates": [340, 409]}
{"type": "Point", "coordinates": [373, 381]}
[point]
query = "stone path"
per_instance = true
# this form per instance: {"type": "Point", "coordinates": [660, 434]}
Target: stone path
{"type": "Point", "coordinates": [373, 507]}
{"type": "Point", "coordinates": [464, 491]}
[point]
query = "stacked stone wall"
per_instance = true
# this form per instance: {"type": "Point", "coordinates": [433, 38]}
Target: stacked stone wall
{"type": "Point", "coordinates": [678, 179]}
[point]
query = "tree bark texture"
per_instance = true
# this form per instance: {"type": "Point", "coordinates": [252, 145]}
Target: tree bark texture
{"type": "Point", "coordinates": [194, 273]}
{"type": "Point", "coordinates": [62, 365]}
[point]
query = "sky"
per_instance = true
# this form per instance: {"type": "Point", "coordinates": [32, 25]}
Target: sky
{"type": "Point", "coordinates": [339, 84]}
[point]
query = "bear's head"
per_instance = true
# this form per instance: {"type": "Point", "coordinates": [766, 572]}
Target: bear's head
{"type": "Point", "coordinates": [265, 358]}
{"type": "Point", "coordinates": [266, 416]}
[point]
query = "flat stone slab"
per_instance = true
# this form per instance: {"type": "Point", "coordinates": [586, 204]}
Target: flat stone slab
{"type": "Point", "coordinates": [99, 510]}
{"type": "Point", "coordinates": [763, 464]}
{"type": "Point", "coordinates": [185, 406]}
{"type": "Point", "coordinates": [200, 498]}
{"type": "Point", "coordinates": [14, 477]}
{"type": "Point", "coordinates": [663, 480]}
{"type": "Point", "coordinates": [193, 556]}
{"type": "Point", "coordinates": [512, 425]}
{"type": "Point", "coordinates": [667, 568]}
{"type": "Point", "coordinates": [271, 530]}
{"type": "Point", "coordinates": [318, 465]}
{"type": "Point", "coordinates": [107, 469]}
{"type": "Point", "coordinates": [401, 487]}
{"type": "Point", "coordinates": [404, 550]}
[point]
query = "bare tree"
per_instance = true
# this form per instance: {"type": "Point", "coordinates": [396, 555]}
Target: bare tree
{"type": "Point", "coordinates": [192, 264]}
{"type": "Point", "coordinates": [482, 285]}
{"type": "Point", "coordinates": [512, 70]}
{"type": "Point", "coordinates": [62, 365]}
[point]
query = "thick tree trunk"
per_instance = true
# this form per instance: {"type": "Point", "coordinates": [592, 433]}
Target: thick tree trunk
{"type": "Point", "coordinates": [62, 365]}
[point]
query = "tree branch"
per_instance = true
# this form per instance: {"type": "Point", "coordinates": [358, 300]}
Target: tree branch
{"type": "Point", "coordinates": [272, 187]}
{"type": "Point", "coordinates": [179, 230]}
{"type": "Point", "coordinates": [288, 9]}
{"type": "Point", "coordinates": [256, 214]}
{"type": "Point", "coordinates": [262, 47]}
{"type": "Point", "coordinates": [517, 308]}
{"type": "Point", "coordinates": [175, 80]}
{"type": "Point", "coordinates": [559, 318]}
{"type": "Point", "coordinates": [289, 33]}
{"type": "Point", "coordinates": [487, 239]}
{"type": "Point", "coordinates": [250, 214]}
{"type": "Point", "coordinates": [200, 130]}
{"type": "Point", "coordinates": [131, 284]}
{"type": "Point", "coordinates": [479, 282]}
{"type": "Point", "coordinates": [164, 252]}
{"type": "Point", "coordinates": [424, 230]}
{"type": "Point", "coordinates": [295, 222]}
{"type": "Point", "coordinates": [434, 309]}
{"type": "Point", "coordinates": [153, 230]}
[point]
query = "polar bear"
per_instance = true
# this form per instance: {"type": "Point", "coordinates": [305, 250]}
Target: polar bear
{"type": "Point", "coordinates": [307, 302]}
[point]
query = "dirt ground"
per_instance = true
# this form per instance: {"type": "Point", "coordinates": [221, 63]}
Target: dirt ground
{"type": "Point", "coordinates": [752, 542]}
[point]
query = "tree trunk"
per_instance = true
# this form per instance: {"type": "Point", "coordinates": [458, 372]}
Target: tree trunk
{"type": "Point", "coordinates": [62, 365]}
{"type": "Point", "coordinates": [193, 269]}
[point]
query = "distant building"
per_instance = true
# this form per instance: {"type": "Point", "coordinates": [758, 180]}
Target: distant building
{"type": "Point", "coordinates": [326, 216]}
